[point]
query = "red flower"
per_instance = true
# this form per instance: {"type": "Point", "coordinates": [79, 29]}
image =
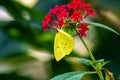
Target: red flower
{"type": "Point", "coordinates": [46, 21]}
{"type": "Point", "coordinates": [75, 11]}
{"type": "Point", "coordinates": [76, 16]}
{"type": "Point", "coordinates": [61, 23]}
{"type": "Point", "coordinates": [82, 28]}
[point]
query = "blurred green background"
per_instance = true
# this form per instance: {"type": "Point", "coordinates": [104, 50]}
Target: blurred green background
{"type": "Point", "coordinates": [26, 51]}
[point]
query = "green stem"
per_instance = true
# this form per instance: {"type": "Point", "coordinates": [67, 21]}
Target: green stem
{"type": "Point", "coordinates": [94, 72]}
{"type": "Point", "coordinates": [100, 75]}
{"type": "Point", "coordinates": [91, 56]}
{"type": "Point", "coordinates": [90, 53]}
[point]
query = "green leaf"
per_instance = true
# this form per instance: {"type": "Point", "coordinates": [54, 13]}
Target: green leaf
{"type": "Point", "coordinates": [77, 77]}
{"type": "Point", "coordinates": [119, 77]}
{"type": "Point", "coordinates": [70, 76]}
{"type": "Point", "coordinates": [103, 26]}
{"type": "Point", "coordinates": [85, 61]}
{"type": "Point", "coordinates": [100, 60]}
{"type": "Point", "coordinates": [104, 63]}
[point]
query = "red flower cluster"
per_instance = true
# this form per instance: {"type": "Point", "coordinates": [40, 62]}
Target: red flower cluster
{"type": "Point", "coordinates": [73, 12]}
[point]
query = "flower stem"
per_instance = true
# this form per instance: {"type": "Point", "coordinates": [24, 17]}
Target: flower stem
{"type": "Point", "coordinates": [91, 56]}
{"type": "Point", "coordinates": [94, 72]}
{"type": "Point", "coordinates": [90, 53]}
{"type": "Point", "coordinates": [100, 75]}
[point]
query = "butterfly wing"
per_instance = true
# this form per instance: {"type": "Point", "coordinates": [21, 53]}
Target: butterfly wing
{"type": "Point", "coordinates": [63, 44]}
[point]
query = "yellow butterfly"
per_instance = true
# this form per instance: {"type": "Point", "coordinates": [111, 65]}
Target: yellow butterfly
{"type": "Point", "coordinates": [63, 44]}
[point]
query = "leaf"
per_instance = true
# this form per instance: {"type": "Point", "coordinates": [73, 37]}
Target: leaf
{"type": "Point", "coordinates": [85, 61]}
{"type": "Point", "coordinates": [103, 26]}
{"type": "Point", "coordinates": [77, 77]}
{"type": "Point", "coordinates": [63, 44]}
{"type": "Point", "coordinates": [104, 63]}
{"type": "Point", "coordinates": [119, 77]}
{"type": "Point", "coordinates": [100, 60]}
{"type": "Point", "coordinates": [109, 75]}
{"type": "Point", "coordinates": [70, 76]}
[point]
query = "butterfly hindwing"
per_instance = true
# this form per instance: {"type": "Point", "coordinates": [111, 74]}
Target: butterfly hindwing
{"type": "Point", "coordinates": [63, 44]}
